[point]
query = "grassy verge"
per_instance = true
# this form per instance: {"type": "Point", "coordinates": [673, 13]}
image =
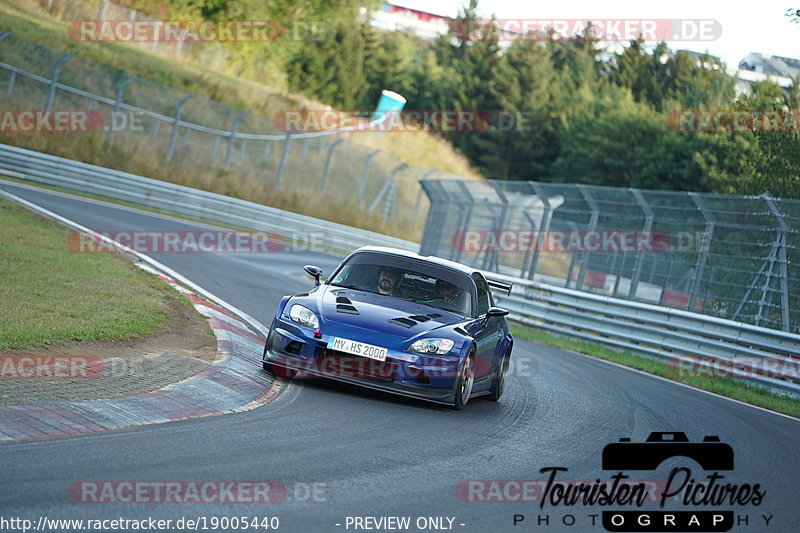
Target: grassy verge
{"type": "Point", "coordinates": [723, 387]}
{"type": "Point", "coordinates": [29, 21]}
{"type": "Point", "coordinates": [51, 296]}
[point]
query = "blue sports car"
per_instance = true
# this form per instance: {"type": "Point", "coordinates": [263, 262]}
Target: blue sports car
{"type": "Point", "coordinates": [398, 322]}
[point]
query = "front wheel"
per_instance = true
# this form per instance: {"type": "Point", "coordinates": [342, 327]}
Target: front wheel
{"type": "Point", "coordinates": [466, 378]}
{"type": "Point", "coordinates": [499, 379]}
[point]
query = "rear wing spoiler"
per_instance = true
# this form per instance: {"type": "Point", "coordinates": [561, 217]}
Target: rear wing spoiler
{"type": "Point", "coordinates": [504, 286]}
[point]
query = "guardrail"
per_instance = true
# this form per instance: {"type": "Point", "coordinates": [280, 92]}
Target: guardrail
{"type": "Point", "coordinates": [689, 344]}
{"type": "Point", "coordinates": [674, 336]}
{"type": "Point", "coordinates": [185, 201]}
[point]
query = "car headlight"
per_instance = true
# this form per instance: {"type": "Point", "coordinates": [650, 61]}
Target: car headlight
{"type": "Point", "coordinates": [432, 346]}
{"type": "Point", "coordinates": [304, 316]}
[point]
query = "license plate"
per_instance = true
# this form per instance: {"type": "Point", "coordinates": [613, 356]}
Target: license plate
{"type": "Point", "coordinates": [357, 348]}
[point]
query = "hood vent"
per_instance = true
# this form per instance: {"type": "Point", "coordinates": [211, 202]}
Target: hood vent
{"type": "Point", "coordinates": [402, 321]}
{"type": "Point", "coordinates": [349, 309]}
{"type": "Point", "coordinates": [343, 300]}
{"type": "Point", "coordinates": [420, 318]}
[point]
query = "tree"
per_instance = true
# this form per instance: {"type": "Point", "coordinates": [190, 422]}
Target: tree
{"type": "Point", "coordinates": [332, 70]}
{"type": "Point", "coordinates": [774, 163]}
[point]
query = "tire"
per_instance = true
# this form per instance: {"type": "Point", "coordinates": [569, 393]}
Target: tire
{"type": "Point", "coordinates": [499, 379]}
{"type": "Point", "coordinates": [466, 379]}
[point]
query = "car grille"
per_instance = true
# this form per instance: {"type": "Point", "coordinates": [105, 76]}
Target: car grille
{"type": "Point", "coordinates": [345, 365]}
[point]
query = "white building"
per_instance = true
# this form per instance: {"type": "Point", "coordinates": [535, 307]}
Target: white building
{"type": "Point", "coordinates": [756, 68]}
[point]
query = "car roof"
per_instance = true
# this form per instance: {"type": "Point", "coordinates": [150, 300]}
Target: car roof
{"type": "Point", "coordinates": [413, 255]}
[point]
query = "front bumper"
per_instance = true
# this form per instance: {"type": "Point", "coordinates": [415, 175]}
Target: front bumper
{"type": "Point", "coordinates": [293, 347]}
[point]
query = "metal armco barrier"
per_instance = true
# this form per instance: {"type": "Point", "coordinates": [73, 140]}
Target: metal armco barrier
{"type": "Point", "coordinates": [185, 201]}
{"type": "Point", "coordinates": [688, 343]}
{"type": "Point", "coordinates": [671, 335]}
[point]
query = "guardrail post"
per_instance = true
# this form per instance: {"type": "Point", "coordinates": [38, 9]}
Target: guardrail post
{"type": "Point", "coordinates": [181, 42]}
{"type": "Point", "coordinates": [117, 101]}
{"type": "Point", "coordinates": [543, 229]}
{"type": "Point", "coordinates": [425, 176]}
{"type": "Point", "coordinates": [385, 191]}
{"type": "Point", "coordinates": [175, 121]}
{"type": "Point", "coordinates": [389, 203]}
{"type": "Point", "coordinates": [154, 46]}
{"type": "Point", "coordinates": [215, 147]}
{"type": "Point", "coordinates": [242, 148]}
{"type": "Point", "coordinates": [590, 201]}
{"type": "Point", "coordinates": [265, 153]}
{"type": "Point", "coordinates": [362, 183]}
{"type": "Point", "coordinates": [573, 256]}
{"type": "Point", "coordinates": [12, 77]}
{"type": "Point", "coordinates": [464, 219]}
{"type": "Point", "coordinates": [490, 257]}
{"type": "Point", "coordinates": [282, 164]}
{"type": "Point", "coordinates": [437, 214]}
{"type": "Point", "coordinates": [781, 261]}
{"type": "Point", "coordinates": [702, 258]}
{"type": "Point", "coordinates": [227, 163]}
{"type": "Point", "coordinates": [54, 80]}
{"type": "Point", "coordinates": [326, 172]}
{"type": "Point", "coordinates": [186, 133]}
{"type": "Point", "coordinates": [648, 226]}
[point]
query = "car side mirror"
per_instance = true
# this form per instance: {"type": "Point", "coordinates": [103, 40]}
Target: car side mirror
{"type": "Point", "coordinates": [496, 312]}
{"type": "Point", "coordinates": [316, 272]}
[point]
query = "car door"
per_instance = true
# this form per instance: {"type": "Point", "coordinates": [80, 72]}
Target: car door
{"type": "Point", "coordinates": [486, 332]}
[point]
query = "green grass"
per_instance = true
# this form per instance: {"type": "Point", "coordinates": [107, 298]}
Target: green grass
{"type": "Point", "coordinates": [51, 296]}
{"type": "Point", "coordinates": [723, 387]}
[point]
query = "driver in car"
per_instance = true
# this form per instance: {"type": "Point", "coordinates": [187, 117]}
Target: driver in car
{"type": "Point", "coordinates": [447, 294]}
{"type": "Point", "coordinates": [388, 279]}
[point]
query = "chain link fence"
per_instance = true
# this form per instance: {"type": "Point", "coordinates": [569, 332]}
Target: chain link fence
{"type": "Point", "coordinates": [734, 257]}
{"type": "Point", "coordinates": [173, 128]}
{"type": "Point", "coordinates": [728, 256]}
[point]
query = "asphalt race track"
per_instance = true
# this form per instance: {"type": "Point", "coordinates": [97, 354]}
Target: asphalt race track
{"type": "Point", "coordinates": [378, 455]}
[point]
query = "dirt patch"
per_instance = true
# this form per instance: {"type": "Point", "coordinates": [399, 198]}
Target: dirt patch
{"type": "Point", "coordinates": [185, 333]}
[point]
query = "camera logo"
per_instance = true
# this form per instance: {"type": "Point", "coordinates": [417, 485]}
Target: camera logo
{"type": "Point", "coordinates": [708, 501]}
{"type": "Point", "coordinates": [711, 454]}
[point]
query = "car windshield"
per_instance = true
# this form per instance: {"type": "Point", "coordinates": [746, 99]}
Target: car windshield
{"type": "Point", "coordinates": [410, 280]}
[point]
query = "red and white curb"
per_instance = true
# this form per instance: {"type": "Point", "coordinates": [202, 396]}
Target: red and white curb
{"type": "Point", "coordinates": [234, 384]}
